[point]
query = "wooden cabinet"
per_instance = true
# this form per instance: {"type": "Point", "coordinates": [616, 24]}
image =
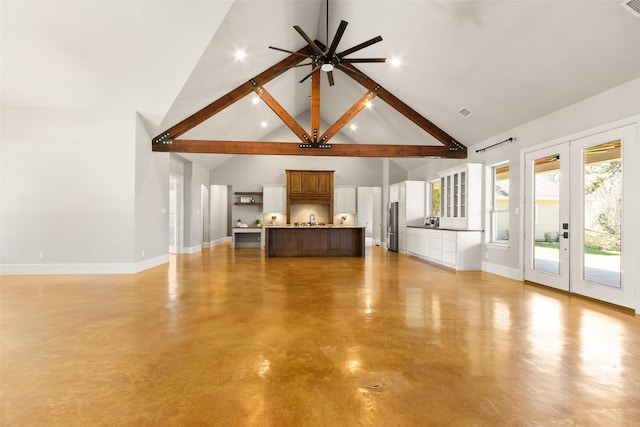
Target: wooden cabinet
{"type": "Point", "coordinates": [274, 199]}
{"type": "Point", "coordinates": [314, 242]}
{"type": "Point", "coordinates": [460, 197]}
{"type": "Point", "coordinates": [306, 187]}
{"type": "Point", "coordinates": [344, 200]}
{"type": "Point", "coordinates": [316, 183]}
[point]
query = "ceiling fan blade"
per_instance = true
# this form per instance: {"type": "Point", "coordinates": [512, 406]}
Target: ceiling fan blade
{"type": "Point", "coordinates": [330, 77]}
{"type": "Point", "coordinates": [336, 38]}
{"type": "Point", "coordinates": [310, 74]}
{"type": "Point", "coordinates": [291, 52]}
{"type": "Point", "coordinates": [354, 60]}
{"type": "Point", "coordinates": [360, 46]}
{"type": "Point", "coordinates": [349, 71]}
{"type": "Point", "coordinates": [293, 66]}
{"type": "Point", "coordinates": [311, 43]}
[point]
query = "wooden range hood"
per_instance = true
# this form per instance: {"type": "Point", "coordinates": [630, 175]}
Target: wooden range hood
{"type": "Point", "coordinates": [310, 187]}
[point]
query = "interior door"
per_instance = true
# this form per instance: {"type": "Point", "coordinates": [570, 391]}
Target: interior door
{"type": "Point", "coordinates": [577, 208]}
{"type": "Point", "coordinates": [547, 216]}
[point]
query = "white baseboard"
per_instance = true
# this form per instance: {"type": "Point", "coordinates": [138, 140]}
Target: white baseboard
{"type": "Point", "coordinates": [192, 249]}
{"type": "Point", "coordinates": [150, 263]}
{"type": "Point", "coordinates": [219, 241]}
{"type": "Point", "coordinates": [83, 268]}
{"type": "Point", "coordinates": [501, 270]}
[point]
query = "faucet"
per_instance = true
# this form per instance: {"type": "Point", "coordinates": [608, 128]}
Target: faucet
{"type": "Point", "coordinates": [312, 218]}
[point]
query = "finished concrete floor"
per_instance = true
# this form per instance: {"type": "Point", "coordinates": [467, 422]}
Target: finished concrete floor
{"type": "Point", "coordinates": [229, 338]}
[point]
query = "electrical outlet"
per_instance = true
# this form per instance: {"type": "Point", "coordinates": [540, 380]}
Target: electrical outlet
{"type": "Point", "coordinates": [143, 252]}
{"type": "Point", "coordinates": [486, 255]}
{"type": "Point", "coordinates": [40, 255]}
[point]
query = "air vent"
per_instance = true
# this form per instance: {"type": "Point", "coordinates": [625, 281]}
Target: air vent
{"type": "Point", "coordinates": [465, 112]}
{"type": "Point", "coordinates": [633, 6]}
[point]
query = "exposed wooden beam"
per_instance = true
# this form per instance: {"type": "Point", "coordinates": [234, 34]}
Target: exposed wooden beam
{"type": "Point", "coordinates": [315, 106]}
{"type": "Point", "coordinates": [226, 100]}
{"type": "Point", "coordinates": [348, 115]}
{"type": "Point", "coordinates": [293, 149]}
{"type": "Point", "coordinates": [286, 118]}
{"type": "Point", "coordinates": [408, 112]}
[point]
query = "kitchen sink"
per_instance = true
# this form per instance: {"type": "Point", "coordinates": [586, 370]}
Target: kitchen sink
{"type": "Point", "coordinates": [309, 224]}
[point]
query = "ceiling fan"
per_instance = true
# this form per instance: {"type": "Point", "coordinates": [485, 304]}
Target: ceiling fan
{"type": "Point", "coordinates": [328, 59]}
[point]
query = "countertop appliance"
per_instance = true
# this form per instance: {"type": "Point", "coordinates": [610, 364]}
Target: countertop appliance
{"type": "Point", "coordinates": [432, 222]}
{"type": "Point", "coordinates": [392, 227]}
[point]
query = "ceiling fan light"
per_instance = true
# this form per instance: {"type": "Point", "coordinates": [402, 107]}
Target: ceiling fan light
{"type": "Point", "coordinates": [327, 67]}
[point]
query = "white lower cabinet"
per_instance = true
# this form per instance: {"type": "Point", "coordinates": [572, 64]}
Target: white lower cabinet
{"type": "Point", "coordinates": [402, 242]}
{"type": "Point", "coordinates": [460, 250]}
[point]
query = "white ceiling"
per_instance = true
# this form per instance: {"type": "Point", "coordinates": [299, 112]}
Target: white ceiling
{"type": "Point", "coordinates": [508, 62]}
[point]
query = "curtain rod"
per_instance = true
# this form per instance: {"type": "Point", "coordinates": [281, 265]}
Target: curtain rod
{"type": "Point", "coordinates": [497, 143]}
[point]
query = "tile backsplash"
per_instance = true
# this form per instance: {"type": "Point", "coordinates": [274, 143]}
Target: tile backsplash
{"type": "Point", "coordinates": [301, 213]}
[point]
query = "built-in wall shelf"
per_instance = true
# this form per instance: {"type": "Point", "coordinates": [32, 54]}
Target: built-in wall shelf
{"type": "Point", "coordinates": [253, 198]}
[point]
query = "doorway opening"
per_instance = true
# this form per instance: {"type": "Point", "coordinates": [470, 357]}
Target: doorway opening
{"type": "Point", "coordinates": [176, 214]}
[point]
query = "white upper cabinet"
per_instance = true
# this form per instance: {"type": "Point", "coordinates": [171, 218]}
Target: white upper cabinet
{"type": "Point", "coordinates": [274, 199]}
{"type": "Point", "coordinates": [394, 193]}
{"type": "Point", "coordinates": [344, 200]}
{"type": "Point", "coordinates": [461, 197]}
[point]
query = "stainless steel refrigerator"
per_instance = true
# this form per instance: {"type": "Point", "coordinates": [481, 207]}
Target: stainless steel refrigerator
{"type": "Point", "coordinates": [392, 227]}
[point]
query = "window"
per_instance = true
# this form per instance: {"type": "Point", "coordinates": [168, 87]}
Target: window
{"type": "Point", "coordinates": [499, 206]}
{"type": "Point", "coordinates": [433, 198]}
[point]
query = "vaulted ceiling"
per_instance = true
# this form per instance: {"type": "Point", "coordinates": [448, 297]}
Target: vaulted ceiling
{"type": "Point", "coordinates": [508, 62]}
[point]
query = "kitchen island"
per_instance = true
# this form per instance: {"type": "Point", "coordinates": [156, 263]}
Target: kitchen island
{"type": "Point", "coordinates": [314, 241]}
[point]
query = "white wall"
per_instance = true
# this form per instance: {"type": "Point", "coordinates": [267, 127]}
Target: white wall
{"type": "Point", "coordinates": [151, 202]}
{"type": "Point", "coordinates": [252, 171]}
{"type": "Point", "coordinates": [195, 176]}
{"type": "Point", "coordinates": [218, 213]}
{"type": "Point", "coordinates": [67, 191]}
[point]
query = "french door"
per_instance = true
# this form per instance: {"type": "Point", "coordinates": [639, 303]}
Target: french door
{"type": "Point", "coordinates": [576, 201]}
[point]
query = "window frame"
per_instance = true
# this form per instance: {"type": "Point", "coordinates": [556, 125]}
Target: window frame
{"type": "Point", "coordinates": [429, 198]}
{"type": "Point", "coordinates": [493, 211]}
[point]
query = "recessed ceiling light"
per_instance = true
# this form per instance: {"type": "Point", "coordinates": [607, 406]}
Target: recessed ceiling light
{"type": "Point", "coordinates": [255, 100]}
{"type": "Point", "coordinates": [464, 112]}
{"type": "Point", "coordinates": [368, 104]}
{"type": "Point", "coordinates": [396, 62]}
{"type": "Point", "coordinates": [240, 54]}
{"type": "Point", "coordinates": [353, 127]}
{"type": "Point", "coordinates": [263, 124]}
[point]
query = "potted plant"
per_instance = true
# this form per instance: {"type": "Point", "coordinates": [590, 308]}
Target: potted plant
{"type": "Point", "coordinates": [273, 219]}
{"type": "Point", "coordinates": [344, 218]}
{"type": "Point", "coordinates": [238, 222]}
{"type": "Point", "coordinates": [257, 223]}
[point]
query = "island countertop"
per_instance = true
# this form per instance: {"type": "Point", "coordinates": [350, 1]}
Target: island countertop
{"type": "Point", "coordinates": [327, 240]}
{"type": "Point", "coordinates": [302, 227]}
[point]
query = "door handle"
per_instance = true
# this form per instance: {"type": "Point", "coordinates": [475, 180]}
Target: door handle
{"type": "Point", "coordinates": [565, 234]}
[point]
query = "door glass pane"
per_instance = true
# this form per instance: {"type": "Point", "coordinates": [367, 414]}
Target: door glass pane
{"type": "Point", "coordinates": [546, 250]}
{"type": "Point", "coordinates": [602, 207]}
